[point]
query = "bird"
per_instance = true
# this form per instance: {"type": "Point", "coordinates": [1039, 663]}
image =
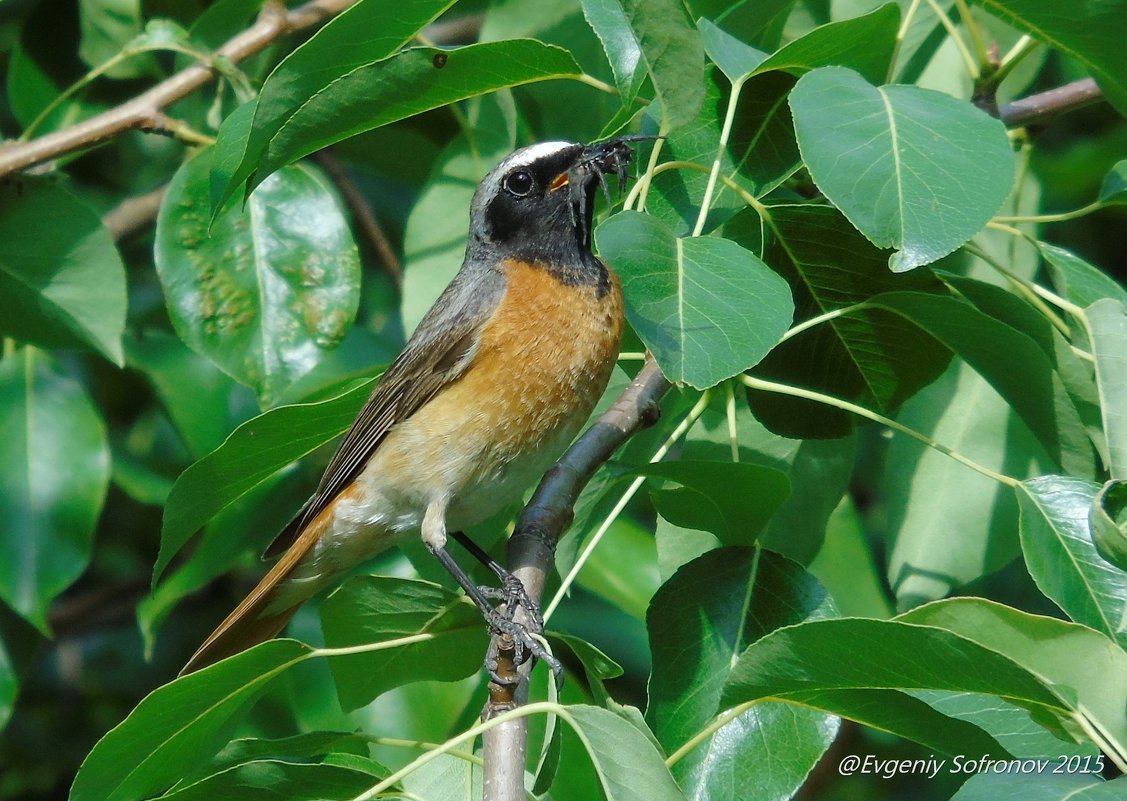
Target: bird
{"type": "Point", "coordinates": [492, 386]}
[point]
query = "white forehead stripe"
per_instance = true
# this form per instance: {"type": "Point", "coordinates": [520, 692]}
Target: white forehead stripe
{"type": "Point", "coordinates": [527, 155]}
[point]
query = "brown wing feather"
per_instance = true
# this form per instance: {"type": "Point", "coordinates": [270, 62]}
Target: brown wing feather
{"type": "Point", "coordinates": [436, 354]}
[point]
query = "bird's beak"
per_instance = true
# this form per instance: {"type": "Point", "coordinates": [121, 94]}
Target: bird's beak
{"type": "Point", "coordinates": [559, 182]}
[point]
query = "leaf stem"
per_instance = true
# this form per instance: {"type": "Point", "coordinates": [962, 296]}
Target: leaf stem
{"type": "Point", "coordinates": [1025, 288]}
{"type": "Point", "coordinates": [592, 81]}
{"type": "Point", "coordinates": [909, 17]}
{"type": "Point", "coordinates": [719, 722]}
{"type": "Point", "coordinates": [730, 411]}
{"type": "Point", "coordinates": [984, 61]}
{"type": "Point", "coordinates": [725, 134]}
{"type": "Point", "coordinates": [861, 411]}
{"type": "Point", "coordinates": [1047, 218]}
{"type": "Point", "coordinates": [681, 429]}
{"type": "Point", "coordinates": [637, 197]}
{"type": "Point", "coordinates": [824, 318]}
{"type": "Point", "coordinates": [1022, 48]}
{"type": "Point", "coordinates": [953, 32]}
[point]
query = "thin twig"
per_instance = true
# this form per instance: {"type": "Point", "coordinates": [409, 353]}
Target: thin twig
{"type": "Point", "coordinates": [273, 23]}
{"type": "Point", "coordinates": [361, 212]}
{"type": "Point", "coordinates": [532, 549]}
{"type": "Point", "coordinates": [1044, 105]}
{"type": "Point", "coordinates": [133, 214]}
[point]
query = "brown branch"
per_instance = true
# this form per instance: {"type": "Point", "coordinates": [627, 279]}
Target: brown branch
{"type": "Point", "coordinates": [1045, 105]}
{"type": "Point", "coordinates": [362, 213]}
{"type": "Point", "coordinates": [532, 549]}
{"type": "Point", "coordinates": [133, 214]}
{"type": "Point", "coordinates": [273, 23]}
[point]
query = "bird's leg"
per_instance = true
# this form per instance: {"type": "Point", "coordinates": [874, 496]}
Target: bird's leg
{"type": "Point", "coordinates": [513, 594]}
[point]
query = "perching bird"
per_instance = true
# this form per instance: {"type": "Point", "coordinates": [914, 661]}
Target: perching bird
{"type": "Point", "coordinates": [487, 393]}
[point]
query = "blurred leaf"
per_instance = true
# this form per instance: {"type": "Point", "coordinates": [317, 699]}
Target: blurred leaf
{"type": "Point", "coordinates": [376, 609]}
{"type": "Point", "coordinates": [922, 38]}
{"type": "Point", "coordinates": [9, 685]}
{"type": "Point", "coordinates": [363, 33]}
{"type": "Point", "coordinates": [673, 54]}
{"type": "Point", "coordinates": [107, 27]}
{"type": "Point", "coordinates": [254, 452]}
{"type": "Point", "coordinates": [947, 524]}
{"type": "Point", "coordinates": [688, 298]}
{"type": "Point", "coordinates": [1078, 280]}
{"type": "Point", "coordinates": [1108, 522]}
{"type": "Point", "coordinates": [699, 621]}
{"type": "Point", "coordinates": [1088, 33]}
{"type": "Point", "coordinates": [182, 723]}
{"type": "Point", "coordinates": [264, 290]}
{"type": "Point", "coordinates": [297, 747]}
{"type": "Point", "coordinates": [447, 778]}
{"type": "Point", "coordinates": [1047, 786]}
{"type": "Point", "coordinates": [628, 764]}
{"type": "Point", "coordinates": [732, 500]}
{"type": "Point", "coordinates": [1062, 557]}
{"type": "Point", "coordinates": [192, 389]}
{"type": "Point", "coordinates": [33, 85]}
{"type": "Point", "coordinates": [1107, 326]}
{"type": "Point", "coordinates": [406, 84]}
{"type": "Point", "coordinates": [1114, 187]}
{"type": "Point", "coordinates": [608, 20]}
{"type": "Point", "coordinates": [62, 283]}
{"type": "Point", "coordinates": [896, 159]}
{"type": "Point", "coordinates": [54, 474]}
{"type": "Point", "coordinates": [625, 543]}
{"type": "Point", "coordinates": [846, 568]}
{"type": "Point", "coordinates": [871, 357]}
{"type": "Point", "coordinates": [1081, 666]}
{"type": "Point", "coordinates": [270, 780]}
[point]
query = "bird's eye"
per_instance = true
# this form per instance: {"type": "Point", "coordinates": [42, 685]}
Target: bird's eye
{"type": "Point", "coordinates": [519, 183]}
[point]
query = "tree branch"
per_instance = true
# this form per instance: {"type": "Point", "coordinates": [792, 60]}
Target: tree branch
{"type": "Point", "coordinates": [273, 22]}
{"type": "Point", "coordinates": [532, 548]}
{"type": "Point", "coordinates": [1044, 105]}
{"type": "Point", "coordinates": [133, 214]}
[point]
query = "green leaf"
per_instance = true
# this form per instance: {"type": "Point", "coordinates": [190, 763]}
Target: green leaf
{"type": "Point", "coordinates": [924, 36]}
{"type": "Point", "coordinates": [447, 778]}
{"type": "Point", "coordinates": [227, 155]}
{"type": "Point", "coordinates": [1081, 666]}
{"type": "Point", "coordinates": [759, 23]}
{"type": "Point", "coordinates": [9, 685]}
{"type": "Point", "coordinates": [295, 747]}
{"type": "Point", "coordinates": [896, 161]}
{"type": "Point", "coordinates": [865, 43]}
{"type": "Point", "coordinates": [699, 621]}
{"type": "Point", "coordinates": [734, 58]}
{"type": "Point", "coordinates": [608, 20]}
{"type": "Point", "coordinates": [1078, 280]}
{"type": "Point", "coordinates": [1086, 32]}
{"type": "Point", "coordinates": [62, 283]}
{"type": "Point", "coordinates": [1114, 186]}
{"type": "Point", "coordinates": [1062, 557]}
{"type": "Point", "coordinates": [690, 299]}
{"type": "Point", "coordinates": [254, 452]}
{"type": "Point", "coordinates": [406, 84]}
{"type": "Point", "coordinates": [1013, 364]}
{"type": "Point", "coordinates": [54, 473]}
{"type": "Point", "coordinates": [263, 291]}
{"type": "Point", "coordinates": [1108, 522]}
{"type": "Point", "coordinates": [732, 500]}
{"type": "Point", "coordinates": [271, 780]}
{"type": "Point", "coordinates": [628, 765]}
{"type": "Point", "coordinates": [107, 27]}
{"type": "Point", "coordinates": [180, 724]}
{"type": "Point", "coordinates": [376, 609]}
{"type": "Point", "coordinates": [948, 525]}
{"type": "Point", "coordinates": [1107, 324]}
{"type": "Point", "coordinates": [1017, 783]}
{"type": "Point", "coordinates": [873, 358]}
{"type": "Point", "coordinates": [673, 54]}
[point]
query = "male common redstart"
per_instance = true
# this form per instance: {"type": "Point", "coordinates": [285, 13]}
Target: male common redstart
{"type": "Point", "coordinates": [487, 393]}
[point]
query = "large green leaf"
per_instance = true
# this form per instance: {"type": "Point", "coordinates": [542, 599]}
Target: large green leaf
{"type": "Point", "coordinates": [608, 20]}
{"type": "Point", "coordinates": [1059, 779]}
{"type": "Point", "coordinates": [263, 291]}
{"type": "Point", "coordinates": [948, 525]}
{"type": "Point", "coordinates": [1087, 30]}
{"type": "Point", "coordinates": [872, 357]}
{"type": "Point", "coordinates": [673, 55]}
{"type": "Point", "coordinates": [54, 473]}
{"type": "Point", "coordinates": [180, 724]}
{"type": "Point", "coordinates": [9, 685]}
{"type": "Point", "coordinates": [62, 283]}
{"type": "Point", "coordinates": [406, 84]}
{"type": "Point", "coordinates": [369, 609]}
{"type": "Point", "coordinates": [1077, 280]}
{"type": "Point", "coordinates": [707, 308]}
{"type": "Point", "coordinates": [1107, 322]}
{"type": "Point", "coordinates": [1062, 557]}
{"type": "Point", "coordinates": [628, 764]}
{"type": "Point", "coordinates": [272, 780]}
{"type": "Point", "coordinates": [699, 621]}
{"type": "Point", "coordinates": [254, 452]}
{"type": "Point", "coordinates": [897, 159]}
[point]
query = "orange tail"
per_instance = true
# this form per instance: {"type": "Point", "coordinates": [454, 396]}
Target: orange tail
{"type": "Point", "coordinates": [251, 623]}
